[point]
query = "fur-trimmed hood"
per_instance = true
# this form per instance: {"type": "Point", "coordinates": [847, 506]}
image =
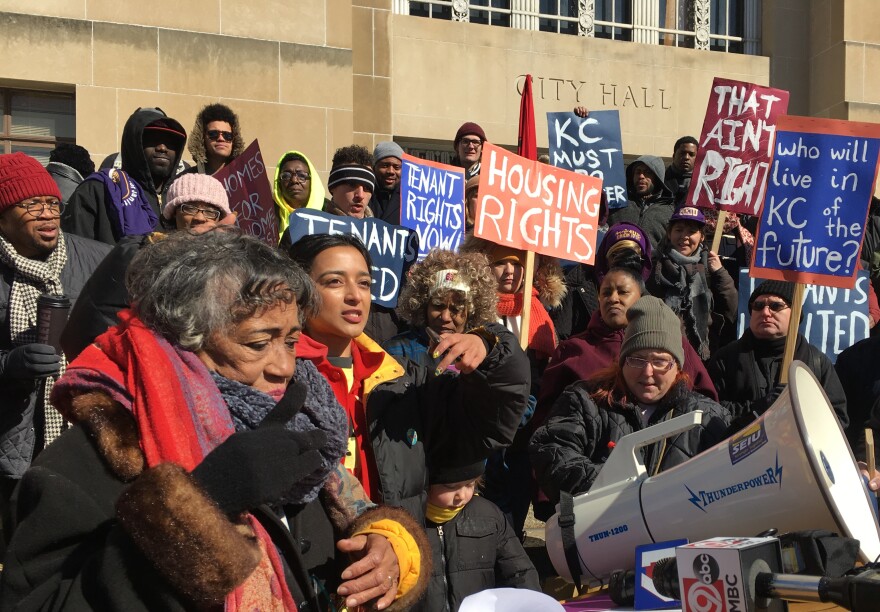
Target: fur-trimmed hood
{"type": "Point", "coordinates": [549, 279]}
{"type": "Point", "coordinates": [196, 143]}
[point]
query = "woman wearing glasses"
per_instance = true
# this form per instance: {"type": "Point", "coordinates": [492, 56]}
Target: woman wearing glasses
{"type": "Point", "coordinates": [215, 139]}
{"type": "Point", "coordinates": [746, 372]}
{"type": "Point", "coordinates": [297, 185]}
{"type": "Point", "coordinates": [645, 386]}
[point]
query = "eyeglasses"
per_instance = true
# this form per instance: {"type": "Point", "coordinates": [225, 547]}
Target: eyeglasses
{"type": "Point", "coordinates": [287, 177]}
{"type": "Point", "coordinates": [211, 214]}
{"type": "Point", "coordinates": [37, 208]}
{"type": "Point", "coordinates": [659, 365]}
{"type": "Point", "coordinates": [759, 305]}
{"type": "Point", "coordinates": [471, 143]}
{"type": "Point", "coordinates": [216, 134]}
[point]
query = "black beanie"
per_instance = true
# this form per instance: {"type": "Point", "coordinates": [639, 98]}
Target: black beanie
{"type": "Point", "coordinates": [782, 289]}
{"type": "Point", "coordinates": [448, 474]}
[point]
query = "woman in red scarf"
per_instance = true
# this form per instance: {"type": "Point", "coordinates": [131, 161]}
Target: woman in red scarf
{"type": "Point", "coordinates": [202, 466]}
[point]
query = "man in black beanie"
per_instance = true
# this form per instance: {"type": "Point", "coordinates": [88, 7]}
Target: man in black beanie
{"type": "Point", "coordinates": [746, 372]}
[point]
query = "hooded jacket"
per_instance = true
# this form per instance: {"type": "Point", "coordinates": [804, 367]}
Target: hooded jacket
{"type": "Point", "coordinates": [87, 212]}
{"type": "Point", "coordinates": [196, 145]}
{"type": "Point", "coordinates": [317, 192]}
{"type": "Point", "coordinates": [653, 213]}
{"type": "Point", "coordinates": [66, 177]}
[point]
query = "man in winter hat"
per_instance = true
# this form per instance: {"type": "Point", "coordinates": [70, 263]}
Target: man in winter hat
{"type": "Point", "coordinates": [36, 257]}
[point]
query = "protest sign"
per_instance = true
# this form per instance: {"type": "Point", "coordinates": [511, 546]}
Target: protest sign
{"type": "Point", "coordinates": [250, 194]}
{"type": "Point", "coordinates": [593, 146]}
{"type": "Point", "coordinates": [820, 186]}
{"type": "Point", "coordinates": [392, 248]}
{"type": "Point", "coordinates": [432, 203]}
{"type": "Point", "coordinates": [735, 145]}
{"type": "Point", "coordinates": [535, 207]}
{"type": "Point", "coordinates": [832, 319]}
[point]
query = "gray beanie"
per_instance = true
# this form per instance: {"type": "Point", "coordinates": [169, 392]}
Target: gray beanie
{"type": "Point", "coordinates": [652, 325]}
{"type": "Point", "coordinates": [387, 149]}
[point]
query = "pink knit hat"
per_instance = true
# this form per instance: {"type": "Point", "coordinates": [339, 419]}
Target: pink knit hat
{"type": "Point", "coordinates": [23, 177]}
{"type": "Point", "coordinates": [193, 187]}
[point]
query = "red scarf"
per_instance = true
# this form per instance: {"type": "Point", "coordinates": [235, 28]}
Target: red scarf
{"type": "Point", "coordinates": [542, 334]}
{"type": "Point", "coordinates": [181, 417]}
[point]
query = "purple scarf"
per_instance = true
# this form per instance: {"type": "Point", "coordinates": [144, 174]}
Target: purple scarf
{"type": "Point", "coordinates": [128, 209]}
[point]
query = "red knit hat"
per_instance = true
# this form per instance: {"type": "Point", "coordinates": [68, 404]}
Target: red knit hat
{"type": "Point", "coordinates": [469, 128]}
{"type": "Point", "coordinates": [23, 177]}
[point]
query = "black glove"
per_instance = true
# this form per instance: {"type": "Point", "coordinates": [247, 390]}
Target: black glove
{"type": "Point", "coordinates": [260, 466]}
{"type": "Point", "coordinates": [760, 406]}
{"type": "Point", "coordinates": [30, 361]}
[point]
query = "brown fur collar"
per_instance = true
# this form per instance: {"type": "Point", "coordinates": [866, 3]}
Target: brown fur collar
{"type": "Point", "coordinates": [418, 533]}
{"type": "Point", "coordinates": [113, 431]}
{"type": "Point", "coordinates": [196, 143]}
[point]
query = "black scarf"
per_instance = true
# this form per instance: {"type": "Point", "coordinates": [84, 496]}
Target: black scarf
{"type": "Point", "coordinates": [249, 407]}
{"type": "Point", "coordinates": [687, 293]}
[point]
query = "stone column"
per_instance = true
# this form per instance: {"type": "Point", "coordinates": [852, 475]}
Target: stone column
{"type": "Point", "coordinates": [522, 21]}
{"type": "Point", "coordinates": [645, 13]}
{"type": "Point", "coordinates": [701, 24]}
{"type": "Point", "coordinates": [401, 7]}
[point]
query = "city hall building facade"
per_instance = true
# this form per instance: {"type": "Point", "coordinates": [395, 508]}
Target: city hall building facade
{"type": "Point", "coordinates": [314, 75]}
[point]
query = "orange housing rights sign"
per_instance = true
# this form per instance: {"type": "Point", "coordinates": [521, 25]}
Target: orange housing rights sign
{"type": "Point", "coordinates": [536, 207]}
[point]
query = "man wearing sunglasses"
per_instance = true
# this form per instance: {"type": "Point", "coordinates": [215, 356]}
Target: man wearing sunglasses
{"type": "Point", "coordinates": [215, 139]}
{"type": "Point", "coordinates": [746, 372]}
{"type": "Point", "coordinates": [121, 202]}
{"type": "Point", "coordinates": [36, 257]}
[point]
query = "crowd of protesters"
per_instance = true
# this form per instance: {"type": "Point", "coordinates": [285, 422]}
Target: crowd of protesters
{"type": "Point", "coordinates": [227, 423]}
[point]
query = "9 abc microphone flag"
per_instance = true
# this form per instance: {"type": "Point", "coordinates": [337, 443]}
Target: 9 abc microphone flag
{"type": "Point", "coordinates": [718, 575]}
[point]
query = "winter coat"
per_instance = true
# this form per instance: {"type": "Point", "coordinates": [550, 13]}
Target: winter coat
{"type": "Point", "coordinates": [69, 550]}
{"type": "Point", "coordinates": [743, 388]}
{"type": "Point", "coordinates": [474, 551]}
{"type": "Point", "coordinates": [723, 299]}
{"type": "Point", "coordinates": [569, 449]}
{"type": "Point", "coordinates": [22, 415]}
{"type": "Point", "coordinates": [196, 146]}
{"type": "Point", "coordinates": [579, 303]}
{"type": "Point", "coordinates": [407, 411]}
{"type": "Point", "coordinates": [580, 357]}
{"type": "Point", "coordinates": [102, 297]}
{"type": "Point", "coordinates": [860, 378]}
{"type": "Point", "coordinates": [386, 204]}
{"type": "Point", "coordinates": [412, 345]}
{"type": "Point", "coordinates": [678, 184]}
{"type": "Point", "coordinates": [66, 177]}
{"type": "Point", "coordinates": [87, 212]}
{"type": "Point", "coordinates": [652, 214]}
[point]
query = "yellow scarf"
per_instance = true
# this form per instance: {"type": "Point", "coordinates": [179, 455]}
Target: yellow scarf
{"type": "Point", "coordinates": [439, 515]}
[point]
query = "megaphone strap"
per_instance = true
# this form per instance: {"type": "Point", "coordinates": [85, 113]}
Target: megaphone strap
{"type": "Point", "coordinates": [569, 543]}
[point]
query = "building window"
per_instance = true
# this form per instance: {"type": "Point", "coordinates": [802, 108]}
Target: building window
{"type": "Point", "coordinates": [498, 17]}
{"type": "Point", "coordinates": [35, 121]}
{"type": "Point", "coordinates": [560, 16]}
{"type": "Point", "coordinates": [610, 15]}
{"type": "Point", "coordinates": [728, 27]}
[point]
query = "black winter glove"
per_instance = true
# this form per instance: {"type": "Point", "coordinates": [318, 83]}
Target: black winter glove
{"type": "Point", "coordinates": [760, 406]}
{"type": "Point", "coordinates": [260, 466]}
{"type": "Point", "coordinates": [30, 361]}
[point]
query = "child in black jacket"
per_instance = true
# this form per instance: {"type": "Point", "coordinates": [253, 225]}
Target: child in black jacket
{"type": "Point", "coordinates": [473, 544]}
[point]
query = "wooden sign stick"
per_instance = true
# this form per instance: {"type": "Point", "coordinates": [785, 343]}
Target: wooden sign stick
{"type": "Point", "coordinates": [869, 452]}
{"type": "Point", "coordinates": [793, 324]}
{"type": "Point", "coordinates": [719, 231]}
{"type": "Point", "coordinates": [528, 281]}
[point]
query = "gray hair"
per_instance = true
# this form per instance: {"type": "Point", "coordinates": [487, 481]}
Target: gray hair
{"type": "Point", "coordinates": [188, 286]}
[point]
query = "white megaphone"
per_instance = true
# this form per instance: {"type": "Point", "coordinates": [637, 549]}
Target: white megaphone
{"type": "Point", "coordinates": [791, 469]}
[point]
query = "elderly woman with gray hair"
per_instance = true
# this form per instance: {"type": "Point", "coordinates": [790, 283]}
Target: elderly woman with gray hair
{"type": "Point", "coordinates": [203, 465]}
{"type": "Point", "coordinates": [446, 293]}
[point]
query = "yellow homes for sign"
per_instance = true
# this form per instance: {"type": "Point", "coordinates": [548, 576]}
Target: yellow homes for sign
{"type": "Point", "coordinates": [536, 207]}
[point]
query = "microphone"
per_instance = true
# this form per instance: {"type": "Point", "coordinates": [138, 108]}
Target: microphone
{"type": "Point", "coordinates": [859, 592]}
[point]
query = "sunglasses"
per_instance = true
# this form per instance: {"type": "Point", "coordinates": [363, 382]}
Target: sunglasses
{"type": "Point", "coordinates": [216, 134]}
{"type": "Point", "coordinates": [759, 305]}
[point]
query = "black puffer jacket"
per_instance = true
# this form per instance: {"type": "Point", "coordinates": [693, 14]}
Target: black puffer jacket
{"type": "Point", "coordinates": [86, 213]}
{"type": "Point", "coordinates": [860, 378]}
{"type": "Point", "coordinates": [745, 388]}
{"type": "Point", "coordinates": [476, 550]}
{"type": "Point", "coordinates": [21, 420]}
{"type": "Point", "coordinates": [580, 301]}
{"type": "Point", "coordinates": [569, 449]}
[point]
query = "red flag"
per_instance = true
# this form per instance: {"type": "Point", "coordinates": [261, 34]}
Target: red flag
{"type": "Point", "coordinates": [528, 142]}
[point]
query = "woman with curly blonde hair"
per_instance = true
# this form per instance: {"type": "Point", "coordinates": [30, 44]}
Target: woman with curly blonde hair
{"type": "Point", "coordinates": [448, 293]}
